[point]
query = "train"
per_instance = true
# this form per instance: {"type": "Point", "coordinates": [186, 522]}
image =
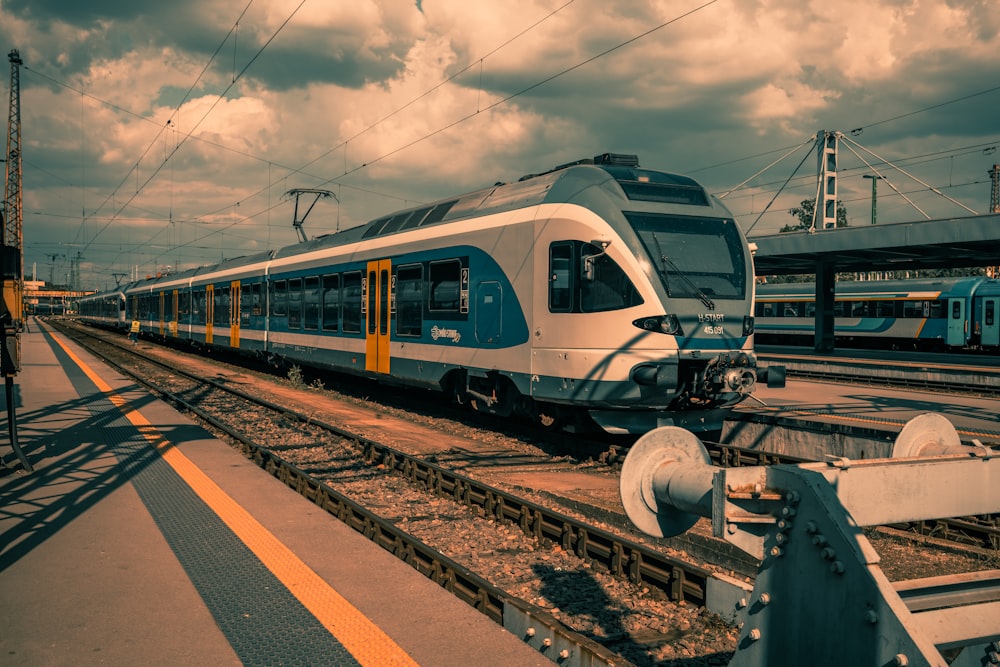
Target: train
{"type": "Point", "coordinates": [596, 292]}
{"type": "Point", "coordinates": [934, 314]}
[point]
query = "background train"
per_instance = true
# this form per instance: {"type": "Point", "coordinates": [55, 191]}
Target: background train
{"type": "Point", "coordinates": [927, 314]}
{"type": "Point", "coordinates": [597, 286]}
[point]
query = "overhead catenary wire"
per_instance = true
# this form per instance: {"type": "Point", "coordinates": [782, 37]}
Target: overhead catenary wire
{"type": "Point", "coordinates": [302, 168]}
{"type": "Point", "coordinates": [849, 142]}
{"type": "Point", "coordinates": [336, 179]}
{"type": "Point", "coordinates": [218, 99]}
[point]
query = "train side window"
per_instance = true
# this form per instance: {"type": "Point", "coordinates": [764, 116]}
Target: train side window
{"type": "Point", "coordinates": [560, 285]}
{"type": "Point", "coordinates": [410, 300]}
{"type": "Point", "coordinates": [331, 302]}
{"type": "Point", "coordinates": [445, 285]}
{"type": "Point", "coordinates": [351, 297]}
{"type": "Point", "coordinates": [383, 295]}
{"type": "Point", "coordinates": [885, 309]}
{"type": "Point", "coordinates": [956, 310]}
{"type": "Point", "coordinates": [913, 309]}
{"type": "Point", "coordinates": [937, 309]}
{"type": "Point", "coordinates": [279, 298]}
{"type": "Point", "coordinates": [989, 318]}
{"type": "Point", "coordinates": [839, 308]}
{"type": "Point", "coordinates": [197, 305]}
{"type": "Point", "coordinates": [372, 307]}
{"type": "Point", "coordinates": [221, 303]}
{"type": "Point", "coordinates": [184, 302]}
{"type": "Point", "coordinates": [810, 309]}
{"type": "Point", "coordinates": [310, 303]}
{"type": "Point", "coordinates": [790, 309]}
{"type": "Point", "coordinates": [604, 285]}
{"type": "Point", "coordinates": [295, 303]}
{"type": "Point", "coordinates": [256, 307]}
{"type": "Point", "coordinates": [766, 309]}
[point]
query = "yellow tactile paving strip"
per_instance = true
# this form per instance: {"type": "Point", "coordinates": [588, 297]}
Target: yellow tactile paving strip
{"type": "Point", "coordinates": [363, 639]}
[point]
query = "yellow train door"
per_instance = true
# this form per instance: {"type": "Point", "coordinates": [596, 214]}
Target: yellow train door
{"type": "Point", "coordinates": [234, 314]}
{"type": "Point", "coordinates": [209, 312]}
{"type": "Point", "coordinates": [376, 304]}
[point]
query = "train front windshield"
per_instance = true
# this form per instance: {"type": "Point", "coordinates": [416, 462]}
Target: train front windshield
{"type": "Point", "coordinates": [698, 258]}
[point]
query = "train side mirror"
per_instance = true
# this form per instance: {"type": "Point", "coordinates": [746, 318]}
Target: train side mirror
{"type": "Point", "coordinates": [589, 260]}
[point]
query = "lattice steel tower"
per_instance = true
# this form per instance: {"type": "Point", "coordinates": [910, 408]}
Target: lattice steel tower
{"type": "Point", "coordinates": [11, 249]}
{"type": "Point", "coordinates": [12, 258]}
{"type": "Point", "coordinates": [995, 189]}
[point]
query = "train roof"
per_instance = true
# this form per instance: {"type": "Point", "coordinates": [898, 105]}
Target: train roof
{"type": "Point", "coordinates": [619, 175]}
{"type": "Point", "coordinates": [602, 184]}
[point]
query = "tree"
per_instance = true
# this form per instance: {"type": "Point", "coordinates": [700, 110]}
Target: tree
{"type": "Point", "coordinates": [804, 212]}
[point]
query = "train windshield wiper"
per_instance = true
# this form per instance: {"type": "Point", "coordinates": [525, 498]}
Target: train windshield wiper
{"type": "Point", "coordinates": [704, 298]}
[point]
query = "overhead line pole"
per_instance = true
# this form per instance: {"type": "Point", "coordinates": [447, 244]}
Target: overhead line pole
{"type": "Point", "coordinates": [12, 259]}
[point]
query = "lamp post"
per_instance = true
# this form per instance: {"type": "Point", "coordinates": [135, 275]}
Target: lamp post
{"type": "Point", "coordinates": [875, 180]}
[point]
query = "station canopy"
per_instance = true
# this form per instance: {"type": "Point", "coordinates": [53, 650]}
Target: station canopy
{"type": "Point", "coordinates": [928, 244]}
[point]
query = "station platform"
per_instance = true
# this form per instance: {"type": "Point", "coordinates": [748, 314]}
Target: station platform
{"type": "Point", "coordinates": [141, 539]}
{"type": "Point", "coordinates": [812, 419]}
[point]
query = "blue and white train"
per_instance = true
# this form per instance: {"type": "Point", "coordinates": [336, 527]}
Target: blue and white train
{"type": "Point", "coordinates": [931, 314]}
{"type": "Point", "coordinates": [599, 286]}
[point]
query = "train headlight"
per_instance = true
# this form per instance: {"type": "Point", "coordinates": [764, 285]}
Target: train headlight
{"type": "Point", "coordinates": [748, 325]}
{"type": "Point", "coordinates": [666, 324]}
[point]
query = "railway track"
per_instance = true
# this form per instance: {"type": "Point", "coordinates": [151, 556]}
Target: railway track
{"type": "Point", "coordinates": [902, 373]}
{"type": "Point", "coordinates": [978, 532]}
{"type": "Point", "coordinates": [315, 457]}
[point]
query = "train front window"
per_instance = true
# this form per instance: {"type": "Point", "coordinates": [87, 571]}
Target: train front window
{"type": "Point", "coordinates": [695, 257]}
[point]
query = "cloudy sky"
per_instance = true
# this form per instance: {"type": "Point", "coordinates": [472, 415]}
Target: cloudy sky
{"type": "Point", "coordinates": [168, 134]}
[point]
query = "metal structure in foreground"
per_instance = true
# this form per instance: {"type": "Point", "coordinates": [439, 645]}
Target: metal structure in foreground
{"type": "Point", "coordinates": [820, 597]}
{"type": "Point", "coordinates": [12, 260]}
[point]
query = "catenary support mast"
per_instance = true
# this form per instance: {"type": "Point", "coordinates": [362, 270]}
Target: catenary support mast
{"type": "Point", "coordinates": [12, 258]}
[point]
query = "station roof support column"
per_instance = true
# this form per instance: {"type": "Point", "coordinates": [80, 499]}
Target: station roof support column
{"type": "Point", "coordinates": [825, 290]}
